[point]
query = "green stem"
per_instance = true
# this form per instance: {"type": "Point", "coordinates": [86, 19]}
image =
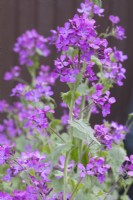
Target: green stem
{"type": "Point", "coordinates": [112, 188]}
{"type": "Point", "coordinates": [88, 116]}
{"type": "Point", "coordinates": [80, 141]}
{"type": "Point", "coordinates": [126, 190]}
{"type": "Point", "coordinates": [57, 134]}
{"type": "Point", "coordinates": [65, 176]}
{"type": "Point", "coordinates": [75, 189]}
{"type": "Point", "coordinates": [72, 105]}
{"type": "Point", "coordinates": [21, 80]}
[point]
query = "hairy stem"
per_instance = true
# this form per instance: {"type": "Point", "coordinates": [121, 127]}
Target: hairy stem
{"type": "Point", "coordinates": [65, 177]}
{"type": "Point", "coordinates": [80, 141]}
{"type": "Point", "coordinates": [112, 188]}
{"type": "Point", "coordinates": [57, 134]}
{"type": "Point", "coordinates": [75, 189]}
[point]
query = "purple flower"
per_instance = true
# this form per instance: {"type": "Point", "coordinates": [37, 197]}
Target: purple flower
{"type": "Point", "coordinates": [61, 63]}
{"type": "Point", "coordinates": [114, 19]}
{"type": "Point", "coordinates": [118, 131]}
{"type": "Point", "coordinates": [102, 133]}
{"type": "Point", "coordinates": [5, 153]}
{"type": "Point", "coordinates": [128, 166]}
{"type": "Point", "coordinates": [59, 196]}
{"type": "Point", "coordinates": [69, 75]}
{"type": "Point", "coordinates": [18, 90]}
{"type": "Point", "coordinates": [108, 101]}
{"type": "Point", "coordinates": [64, 119]}
{"type": "Point", "coordinates": [120, 32]}
{"type": "Point", "coordinates": [15, 72]}
{"type": "Point", "coordinates": [89, 73]}
{"type": "Point", "coordinates": [104, 101]}
{"type": "Point", "coordinates": [119, 56]}
{"type": "Point", "coordinates": [3, 105]}
{"type": "Point", "coordinates": [98, 11]}
{"type": "Point", "coordinates": [82, 170]}
{"type": "Point", "coordinates": [5, 196]}
{"type": "Point", "coordinates": [31, 193]}
{"type": "Point", "coordinates": [115, 72]}
{"type": "Point", "coordinates": [86, 8]}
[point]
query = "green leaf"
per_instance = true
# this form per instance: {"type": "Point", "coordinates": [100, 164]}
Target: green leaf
{"type": "Point", "coordinates": [25, 176]}
{"type": "Point", "coordinates": [58, 173]}
{"type": "Point", "coordinates": [96, 60]}
{"type": "Point", "coordinates": [21, 142]}
{"type": "Point", "coordinates": [66, 97]}
{"type": "Point", "coordinates": [128, 181]}
{"type": "Point", "coordinates": [73, 183]}
{"type": "Point", "coordinates": [82, 89]}
{"type": "Point", "coordinates": [57, 184]}
{"type": "Point", "coordinates": [130, 116]}
{"type": "Point", "coordinates": [84, 132]}
{"type": "Point", "coordinates": [32, 172]}
{"type": "Point", "coordinates": [115, 158]}
{"type": "Point", "coordinates": [72, 52]}
{"type": "Point", "coordinates": [124, 197]}
{"type": "Point", "coordinates": [84, 196]}
{"type": "Point", "coordinates": [54, 123]}
{"type": "Point", "coordinates": [97, 2]}
{"type": "Point", "coordinates": [97, 191]}
{"type": "Point", "coordinates": [63, 148]}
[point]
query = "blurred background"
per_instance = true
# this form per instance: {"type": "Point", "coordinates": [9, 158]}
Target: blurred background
{"type": "Point", "coordinates": [17, 16]}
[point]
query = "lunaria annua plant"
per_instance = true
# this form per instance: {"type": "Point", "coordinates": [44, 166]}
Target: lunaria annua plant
{"type": "Point", "coordinates": [44, 158]}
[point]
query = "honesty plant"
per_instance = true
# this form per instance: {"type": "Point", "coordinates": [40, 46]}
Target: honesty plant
{"type": "Point", "coordinates": [44, 158]}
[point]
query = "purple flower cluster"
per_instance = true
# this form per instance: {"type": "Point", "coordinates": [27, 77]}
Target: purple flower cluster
{"type": "Point", "coordinates": [96, 167]}
{"type": "Point", "coordinates": [41, 91]}
{"type": "Point", "coordinates": [103, 101]}
{"type": "Point", "coordinates": [64, 67]}
{"type": "Point", "coordinates": [37, 171]}
{"type": "Point", "coordinates": [10, 128]}
{"type": "Point", "coordinates": [45, 76]}
{"type": "Point", "coordinates": [109, 134]}
{"type": "Point", "coordinates": [42, 88]}
{"type": "Point", "coordinates": [39, 119]}
{"type": "Point", "coordinates": [127, 168]}
{"type": "Point", "coordinates": [79, 35]}
{"type": "Point", "coordinates": [33, 164]}
{"type": "Point", "coordinates": [118, 31]}
{"type": "Point", "coordinates": [30, 193]}
{"type": "Point", "coordinates": [61, 164]}
{"type": "Point", "coordinates": [29, 45]}
{"type": "Point", "coordinates": [90, 8]}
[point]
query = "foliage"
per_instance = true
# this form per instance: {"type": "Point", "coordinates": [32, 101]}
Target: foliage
{"type": "Point", "coordinates": [45, 158]}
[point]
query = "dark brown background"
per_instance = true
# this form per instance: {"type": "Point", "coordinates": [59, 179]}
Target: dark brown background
{"type": "Point", "coordinates": [16, 16]}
